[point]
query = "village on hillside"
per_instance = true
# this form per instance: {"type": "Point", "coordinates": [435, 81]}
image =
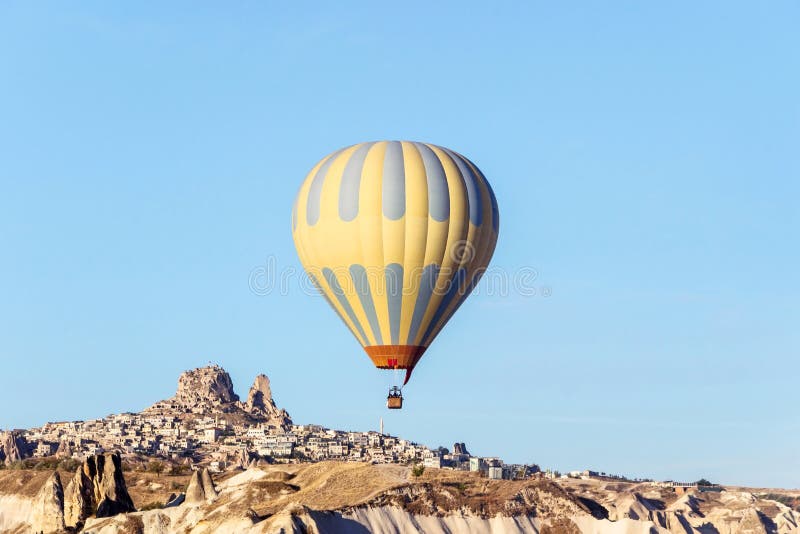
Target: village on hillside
{"type": "Point", "coordinates": [205, 425]}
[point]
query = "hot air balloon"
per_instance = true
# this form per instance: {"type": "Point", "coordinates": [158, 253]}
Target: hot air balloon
{"type": "Point", "coordinates": [395, 235]}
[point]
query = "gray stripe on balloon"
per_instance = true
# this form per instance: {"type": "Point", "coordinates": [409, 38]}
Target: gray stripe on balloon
{"type": "Point", "coordinates": [337, 290]}
{"type": "Point", "coordinates": [473, 189]}
{"type": "Point", "coordinates": [327, 299]}
{"type": "Point", "coordinates": [394, 292]}
{"type": "Point", "coordinates": [361, 285]}
{"type": "Point", "coordinates": [394, 182]}
{"type": "Point", "coordinates": [315, 191]}
{"type": "Point", "coordinates": [495, 209]}
{"type": "Point", "coordinates": [468, 289]}
{"type": "Point", "coordinates": [452, 292]}
{"type": "Point", "coordinates": [492, 198]}
{"type": "Point", "coordinates": [427, 284]}
{"type": "Point", "coordinates": [438, 192]}
{"type": "Point", "coordinates": [351, 183]}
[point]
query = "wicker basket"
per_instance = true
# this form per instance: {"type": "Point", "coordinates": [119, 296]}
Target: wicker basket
{"type": "Point", "coordinates": [394, 403]}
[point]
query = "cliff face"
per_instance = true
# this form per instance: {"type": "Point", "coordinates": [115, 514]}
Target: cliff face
{"type": "Point", "coordinates": [36, 502]}
{"type": "Point", "coordinates": [332, 497]}
{"type": "Point", "coordinates": [98, 488]}
{"type": "Point", "coordinates": [211, 385]}
{"type": "Point", "coordinates": [202, 390]}
{"type": "Point", "coordinates": [13, 447]}
{"type": "Point", "coordinates": [209, 390]}
{"type": "Point", "coordinates": [47, 514]}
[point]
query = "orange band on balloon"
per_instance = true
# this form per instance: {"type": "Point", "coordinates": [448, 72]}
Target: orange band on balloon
{"type": "Point", "coordinates": [395, 356]}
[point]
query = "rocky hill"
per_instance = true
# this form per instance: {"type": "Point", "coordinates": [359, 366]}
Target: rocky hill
{"type": "Point", "coordinates": [265, 490]}
{"type": "Point", "coordinates": [208, 391]}
{"type": "Point", "coordinates": [353, 498]}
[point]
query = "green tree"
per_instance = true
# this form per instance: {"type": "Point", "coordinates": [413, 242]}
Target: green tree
{"type": "Point", "coordinates": [177, 470]}
{"type": "Point", "coordinates": [155, 467]}
{"type": "Point", "coordinates": [47, 464]}
{"type": "Point", "coordinates": [69, 464]}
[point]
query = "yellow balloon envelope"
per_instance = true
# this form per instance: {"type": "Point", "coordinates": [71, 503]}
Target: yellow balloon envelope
{"type": "Point", "coordinates": [395, 234]}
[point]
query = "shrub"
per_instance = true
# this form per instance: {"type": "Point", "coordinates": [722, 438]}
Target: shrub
{"type": "Point", "coordinates": [69, 464]}
{"type": "Point", "coordinates": [177, 470]}
{"type": "Point", "coordinates": [300, 456]}
{"type": "Point", "coordinates": [417, 470]}
{"type": "Point", "coordinates": [127, 467]}
{"type": "Point", "coordinates": [788, 500]}
{"type": "Point", "coordinates": [48, 464]}
{"type": "Point", "coordinates": [155, 467]}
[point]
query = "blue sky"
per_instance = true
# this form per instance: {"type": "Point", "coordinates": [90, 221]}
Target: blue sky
{"type": "Point", "coordinates": [645, 160]}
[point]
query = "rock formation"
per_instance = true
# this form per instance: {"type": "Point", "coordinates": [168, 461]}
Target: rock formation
{"type": "Point", "coordinates": [201, 489]}
{"type": "Point", "coordinates": [64, 449]}
{"type": "Point", "coordinates": [78, 498]}
{"type": "Point", "coordinates": [460, 448]}
{"type": "Point", "coordinates": [98, 487]}
{"type": "Point", "coordinates": [13, 447]}
{"type": "Point", "coordinates": [261, 404]}
{"type": "Point", "coordinates": [110, 491]}
{"type": "Point", "coordinates": [206, 384]}
{"type": "Point", "coordinates": [47, 514]}
{"type": "Point", "coordinates": [209, 391]}
{"type": "Point", "coordinates": [208, 485]}
{"type": "Point", "coordinates": [241, 459]}
{"type": "Point", "coordinates": [202, 390]}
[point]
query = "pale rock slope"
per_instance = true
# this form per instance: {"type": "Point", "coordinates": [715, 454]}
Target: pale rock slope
{"type": "Point", "coordinates": [354, 498]}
